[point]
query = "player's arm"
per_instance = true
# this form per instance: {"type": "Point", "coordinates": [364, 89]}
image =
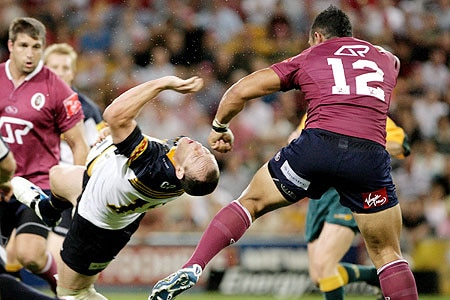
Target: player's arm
{"type": "Point", "coordinates": [76, 140]}
{"type": "Point", "coordinates": [121, 113]}
{"type": "Point", "coordinates": [260, 83]}
{"type": "Point", "coordinates": [7, 170]}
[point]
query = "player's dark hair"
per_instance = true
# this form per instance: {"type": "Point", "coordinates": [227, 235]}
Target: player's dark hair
{"type": "Point", "coordinates": [29, 26]}
{"type": "Point", "coordinates": [332, 22]}
{"type": "Point", "coordinates": [195, 187]}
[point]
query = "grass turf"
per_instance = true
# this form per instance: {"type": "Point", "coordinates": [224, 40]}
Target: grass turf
{"type": "Point", "coordinates": [218, 296]}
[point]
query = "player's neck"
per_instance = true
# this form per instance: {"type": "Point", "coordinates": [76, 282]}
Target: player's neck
{"type": "Point", "coordinates": [18, 77]}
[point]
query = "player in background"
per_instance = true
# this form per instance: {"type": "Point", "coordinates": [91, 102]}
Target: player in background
{"type": "Point", "coordinates": [61, 58]}
{"type": "Point", "coordinates": [331, 228]}
{"type": "Point", "coordinates": [126, 174]}
{"type": "Point", "coordinates": [348, 85]}
{"type": "Point", "coordinates": [36, 107]}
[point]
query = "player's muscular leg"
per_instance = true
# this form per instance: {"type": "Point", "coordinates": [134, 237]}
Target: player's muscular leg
{"type": "Point", "coordinates": [69, 188]}
{"type": "Point", "coordinates": [327, 250]}
{"type": "Point", "coordinates": [262, 196]}
{"type": "Point", "coordinates": [31, 251]}
{"type": "Point", "coordinates": [69, 280]}
{"type": "Point", "coordinates": [381, 232]}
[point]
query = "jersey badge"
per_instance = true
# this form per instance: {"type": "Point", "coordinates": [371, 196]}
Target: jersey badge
{"type": "Point", "coordinates": [38, 101]}
{"type": "Point", "coordinates": [72, 105]}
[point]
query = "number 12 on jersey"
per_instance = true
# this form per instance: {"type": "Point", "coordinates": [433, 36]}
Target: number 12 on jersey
{"type": "Point", "coordinates": [341, 87]}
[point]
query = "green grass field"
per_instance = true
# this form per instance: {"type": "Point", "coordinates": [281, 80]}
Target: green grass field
{"type": "Point", "coordinates": [217, 296]}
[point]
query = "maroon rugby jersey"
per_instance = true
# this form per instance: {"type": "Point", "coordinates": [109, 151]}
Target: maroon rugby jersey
{"type": "Point", "coordinates": [32, 118]}
{"type": "Point", "coordinates": [348, 85]}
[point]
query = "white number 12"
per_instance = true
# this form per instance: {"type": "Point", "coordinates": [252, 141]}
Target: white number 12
{"type": "Point", "coordinates": [340, 83]}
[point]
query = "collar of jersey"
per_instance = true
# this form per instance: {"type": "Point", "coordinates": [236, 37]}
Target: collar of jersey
{"type": "Point", "coordinates": [170, 155]}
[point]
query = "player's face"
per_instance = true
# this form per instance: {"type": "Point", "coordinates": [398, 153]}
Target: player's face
{"type": "Point", "coordinates": [61, 64]}
{"type": "Point", "coordinates": [25, 54]}
{"type": "Point", "coordinates": [189, 152]}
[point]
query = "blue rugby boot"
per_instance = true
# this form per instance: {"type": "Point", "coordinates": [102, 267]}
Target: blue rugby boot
{"type": "Point", "coordinates": [176, 283]}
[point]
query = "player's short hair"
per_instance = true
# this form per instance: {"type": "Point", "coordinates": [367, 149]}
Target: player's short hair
{"type": "Point", "coordinates": [29, 26]}
{"type": "Point", "coordinates": [63, 49]}
{"type": "Point", "coordinates": [332, 22]}
{"type": "Point", "coordinates": [201, 182]}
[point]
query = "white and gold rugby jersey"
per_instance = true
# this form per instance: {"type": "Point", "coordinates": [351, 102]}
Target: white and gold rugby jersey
{"type": "Point", "coordinates": [127, 179]}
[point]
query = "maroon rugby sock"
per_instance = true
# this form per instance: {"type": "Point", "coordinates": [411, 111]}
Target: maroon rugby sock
{"type": "Point", "coordinates": [49, 271]}
{"type": "Point", "coordinates": [226, 228]}
{"type": "Point", "coordinates": [397, 281]}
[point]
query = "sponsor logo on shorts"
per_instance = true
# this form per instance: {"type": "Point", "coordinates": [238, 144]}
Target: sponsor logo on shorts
{"type": "Point", "coordinates": [277, 156]}
{"type": "Point", "coordinates": [375, 198]}
{"type": "Point", "coordinates": [345, 217]}
{"type": "Point", "coordinates": [98, 266]}
{"type": "Point", "coordinates": [293, 177]}
{"type": "Point", "coordinates": [288, 192]}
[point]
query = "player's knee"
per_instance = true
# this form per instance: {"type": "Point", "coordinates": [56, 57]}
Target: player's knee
{"type": "Point", "coordinates": [31, 261]}
{"type": "Point", "coordinates": [55, 175]}
{"type": "Point", "coordinates": [317, 268]}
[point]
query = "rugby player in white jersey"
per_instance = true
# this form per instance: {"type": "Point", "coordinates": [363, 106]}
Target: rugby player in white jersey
{"type": "Point", "coordinates": [126, 175]}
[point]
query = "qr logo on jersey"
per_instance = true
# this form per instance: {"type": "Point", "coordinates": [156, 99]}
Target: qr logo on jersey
{"type": "Point", "coordinates": [353, 50]}
{"type": "Point", "coordinates": [13, 129]}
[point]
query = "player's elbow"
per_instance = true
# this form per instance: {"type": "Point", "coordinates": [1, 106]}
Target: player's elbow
{"type": "Point", "coordinates": [113, 115]}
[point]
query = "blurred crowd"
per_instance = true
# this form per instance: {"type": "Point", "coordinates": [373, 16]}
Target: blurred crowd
{"type": "Point", "coordinates": [123, 43]}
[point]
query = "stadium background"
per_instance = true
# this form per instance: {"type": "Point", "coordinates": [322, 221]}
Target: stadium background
{"type": "Point", "coordinates": [123, 43]}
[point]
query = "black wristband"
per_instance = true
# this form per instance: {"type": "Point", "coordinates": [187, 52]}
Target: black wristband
{"type": "Point", "coordinates": [219, 129]}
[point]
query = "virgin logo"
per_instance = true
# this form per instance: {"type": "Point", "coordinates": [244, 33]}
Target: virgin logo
{"type": "Point", "coordinates": [375, 198]}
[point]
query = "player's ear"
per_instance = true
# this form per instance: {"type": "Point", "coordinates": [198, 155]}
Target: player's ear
{"type": "Point", "coordinates": [319, 37]}
{"type": "Point", "coordinates": [179, 172]}
{"type": "Point", "coordinates": [10, 45]}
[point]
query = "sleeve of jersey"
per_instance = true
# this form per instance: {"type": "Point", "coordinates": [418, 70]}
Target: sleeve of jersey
{"type": "Point", "coordinates": [68, 108]}
{"type": "Point", "coordinates": [396, 134]}
{"type": "Point", "coordinates": [287, 71]}
{"type": "Point", "coordinates": [134, 140]}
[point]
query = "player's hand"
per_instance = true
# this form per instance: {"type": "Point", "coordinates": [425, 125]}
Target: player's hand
{"type": "Point", "coordinates": [221, 141]}
{"type": "Point", "coordinates": [6, 191]}
{"type": "Point", "coordinates": [184, 86]}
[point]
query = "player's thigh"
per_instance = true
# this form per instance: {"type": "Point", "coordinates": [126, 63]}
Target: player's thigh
{"type": "Point", "coordinates": [262, 195]}
{"type": "Point", "coordinates": [381, 232]}
{"type": "Point", "coordinates": [54, 244]}
{"type": "Point", "coordinates": [67, 181]}
{"type": "Point", "coordinates": [31, 249]}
